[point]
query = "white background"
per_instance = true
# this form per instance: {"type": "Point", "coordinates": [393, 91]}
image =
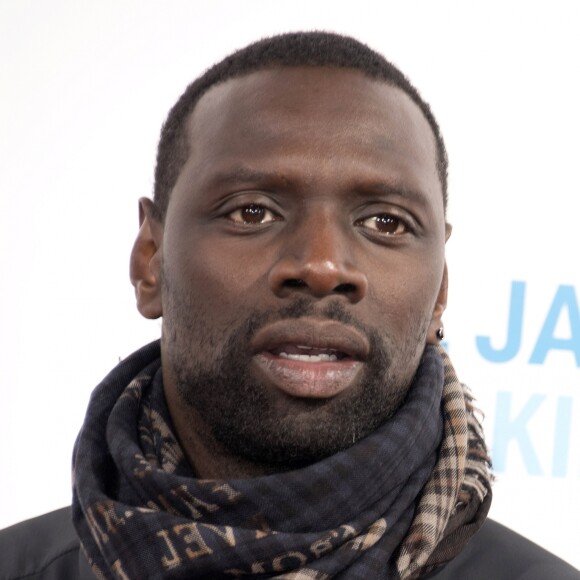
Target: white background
{"type": "Point", "coordinates": [84, 88]}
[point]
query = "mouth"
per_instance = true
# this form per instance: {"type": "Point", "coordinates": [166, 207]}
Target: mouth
{"type": "Point", "coordinates": [309, 354]}
{"type": "Point", "coordinates": [309, 358]}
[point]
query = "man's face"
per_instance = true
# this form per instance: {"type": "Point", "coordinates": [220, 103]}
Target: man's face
{"type": "Point", "coordinates": [302, 262]}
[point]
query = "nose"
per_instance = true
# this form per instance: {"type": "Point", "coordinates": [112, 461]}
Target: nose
{"type": "Point", "coordinates": [316, 259]}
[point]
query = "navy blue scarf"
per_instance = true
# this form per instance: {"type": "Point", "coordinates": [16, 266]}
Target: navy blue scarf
{"type": "Point", "coordinates": [140, 512]}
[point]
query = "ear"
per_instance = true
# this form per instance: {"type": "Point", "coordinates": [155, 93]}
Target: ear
{"type": "Point", "coordinates": [441, 304]}
{"type": "Point", "coordinates": [145, 267]}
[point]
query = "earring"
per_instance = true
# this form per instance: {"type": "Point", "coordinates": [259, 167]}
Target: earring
{"type": "Point", "coordinates": [440, 334]}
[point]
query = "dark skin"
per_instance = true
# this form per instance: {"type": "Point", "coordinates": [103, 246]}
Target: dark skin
{"type": "Point", "coordinates": [314, 187]}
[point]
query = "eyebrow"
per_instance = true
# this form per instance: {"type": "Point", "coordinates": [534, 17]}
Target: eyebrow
{"type": "Point", "coordinates": [368, 189]}
{"type": "Point", "coordinates": [246, 175]}
{"type": "Point", "coordinates": [387, 189]}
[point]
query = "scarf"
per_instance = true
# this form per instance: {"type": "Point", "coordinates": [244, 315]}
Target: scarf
{"type": "Point", "coordinates": [397, 504]}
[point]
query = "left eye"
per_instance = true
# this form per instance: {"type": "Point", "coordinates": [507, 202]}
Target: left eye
{"type": "Point", "coordinates": [253, 214]}
{"type": "Point", "coordinates": [385, 223]}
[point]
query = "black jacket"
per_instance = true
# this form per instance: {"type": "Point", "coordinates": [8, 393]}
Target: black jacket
{"type": "Point", "coordinates": [47, 548]}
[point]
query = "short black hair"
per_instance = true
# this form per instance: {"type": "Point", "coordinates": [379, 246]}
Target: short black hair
{"type": "Point", "coordinates": [317, 49]}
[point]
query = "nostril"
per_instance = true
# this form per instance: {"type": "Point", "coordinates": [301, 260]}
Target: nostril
{"type": "Point", "coordinates": [294, 283]}
{"type": "Point", "coordinates": [345, 288]}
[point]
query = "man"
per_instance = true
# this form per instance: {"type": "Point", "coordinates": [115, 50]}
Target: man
{"type": "Point", "coordinates": [298, 418]}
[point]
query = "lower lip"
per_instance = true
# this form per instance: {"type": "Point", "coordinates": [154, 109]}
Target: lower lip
{"type": "Point", "coordinates": [320, 380]}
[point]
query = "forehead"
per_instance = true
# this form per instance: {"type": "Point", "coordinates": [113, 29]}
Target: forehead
{"type": "Point", "coordinates": [321, 113]}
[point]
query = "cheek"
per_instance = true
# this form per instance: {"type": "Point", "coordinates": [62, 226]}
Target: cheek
{"type": "Point", "coordinates": [219, 282]}
{"type": "Point", "coordinates": [405, 296]}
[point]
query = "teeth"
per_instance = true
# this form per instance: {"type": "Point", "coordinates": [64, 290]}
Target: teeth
{"type": "Point", "coordinates": [310, 358]}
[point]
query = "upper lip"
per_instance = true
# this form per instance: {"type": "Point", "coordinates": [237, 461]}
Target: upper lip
{"type": "Point", "coordinates": [320, 334]}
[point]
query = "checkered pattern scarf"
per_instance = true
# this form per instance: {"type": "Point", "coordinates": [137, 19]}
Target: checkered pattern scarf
{"type": "Point", "coordinates": [397, 504]}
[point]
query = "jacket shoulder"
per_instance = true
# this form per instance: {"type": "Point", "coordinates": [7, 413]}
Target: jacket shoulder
{"type": "Point", "coordinates": [500, 553]}
{"type": "Point", "coordinates": [42, 548]}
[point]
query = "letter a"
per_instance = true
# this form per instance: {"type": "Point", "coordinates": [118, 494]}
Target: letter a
{"type": "Point", "coordinates": [565, 298]}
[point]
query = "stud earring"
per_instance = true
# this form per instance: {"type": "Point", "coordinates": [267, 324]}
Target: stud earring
{"type": "Point", "coordinates": [440, 334]}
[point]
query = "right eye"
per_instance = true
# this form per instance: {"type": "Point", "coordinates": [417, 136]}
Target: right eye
{"type": "Point", "coordinates": [253, 213]}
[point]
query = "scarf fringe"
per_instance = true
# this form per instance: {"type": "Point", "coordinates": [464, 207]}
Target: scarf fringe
{"type": "Point", "coordinates": [462, 477]}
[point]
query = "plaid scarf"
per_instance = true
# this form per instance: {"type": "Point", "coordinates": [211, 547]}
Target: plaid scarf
{"type": "Point", "coordinates": [397, 504]}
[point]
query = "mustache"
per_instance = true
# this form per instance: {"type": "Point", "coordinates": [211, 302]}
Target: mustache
{"type": "Point", "coordinates": [303, 307]}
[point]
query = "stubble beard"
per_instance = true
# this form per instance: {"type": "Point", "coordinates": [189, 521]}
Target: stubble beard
{"type": "Point", "coordinates": [213, 378]}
